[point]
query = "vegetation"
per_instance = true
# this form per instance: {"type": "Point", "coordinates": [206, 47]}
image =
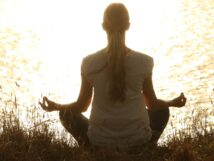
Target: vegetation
{"type": "Point", "coordinates": [18, 143]}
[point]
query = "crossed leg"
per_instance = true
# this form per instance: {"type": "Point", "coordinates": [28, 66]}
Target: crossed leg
{"type": "Point", "coordinates": [77, 124]}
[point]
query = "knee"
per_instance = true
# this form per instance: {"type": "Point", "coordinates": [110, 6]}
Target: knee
{"type": "Point", "coordinates": [159, 119]}
{"type": "Point", "coordinates": [164, 115]}
{"type": "Point", "coordinates": [61, 115]}
{"type": "Point", "coordinates": [161, 114]}
{"type": "Point", "coordinates": [167, 113]}
{"type": "Point", "coordinates": [65, 115]}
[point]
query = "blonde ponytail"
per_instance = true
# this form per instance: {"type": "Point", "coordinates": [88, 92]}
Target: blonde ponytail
{"type": "Point", "coordinates": [116, 67]}
{"type": "Point", "coordinates": [116, 22]}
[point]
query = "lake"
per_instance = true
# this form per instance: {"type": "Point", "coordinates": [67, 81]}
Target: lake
{"type": "Point", "coordinates": [41, 53]}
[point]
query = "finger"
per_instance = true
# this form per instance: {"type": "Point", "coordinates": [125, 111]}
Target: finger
{"type": "Point", "coordinates": [46, 101]}
{"type": "Point", "coordinates": [42, 105]}
{"type": "Point", "coordinates": [183, 96]}
{"type": "Point", "coordinates": [184, 100]}
{"type": "Point", "coordinates": [43, 100]}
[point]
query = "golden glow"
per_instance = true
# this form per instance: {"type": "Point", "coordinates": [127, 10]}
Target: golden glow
{"type": "Point", "coordinates": [73, 28]}
{"type": "Point", "coordinates": [69, 30]}
{"type": "Point", "coordinates": [178, 34]}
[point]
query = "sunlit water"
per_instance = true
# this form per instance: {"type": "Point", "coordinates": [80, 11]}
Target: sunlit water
{"type": "Point", "coordinates": [42, 45]}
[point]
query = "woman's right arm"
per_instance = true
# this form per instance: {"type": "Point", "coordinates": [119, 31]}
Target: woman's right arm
{"type": "Point", "coordinates": [155, 104]}
{"type": "Point", "coordinates": [78, 106]}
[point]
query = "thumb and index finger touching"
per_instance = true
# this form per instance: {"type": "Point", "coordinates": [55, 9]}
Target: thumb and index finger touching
{"type": "Point", "coordinates": [44, 102]}
{"type": "Point", "coordinates": [183, 98]}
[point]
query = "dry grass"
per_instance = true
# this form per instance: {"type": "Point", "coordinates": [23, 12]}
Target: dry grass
{"type": "Point", "coordinates": [18, 143]}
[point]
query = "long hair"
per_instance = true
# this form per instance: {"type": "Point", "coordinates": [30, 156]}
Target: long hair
{"type": "Point", "coordinates": [116, 22]}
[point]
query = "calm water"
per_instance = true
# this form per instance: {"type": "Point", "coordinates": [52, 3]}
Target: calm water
{"type": "Point", "coordinates": [184, 62]}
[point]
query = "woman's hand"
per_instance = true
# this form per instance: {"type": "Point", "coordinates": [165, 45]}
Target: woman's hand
{"type": "Point", "coordinates": [179, 101]}
{"type": "Point", "coordinates": [48, 105]}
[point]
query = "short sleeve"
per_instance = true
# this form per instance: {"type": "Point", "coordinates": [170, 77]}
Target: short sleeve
{"type": "Point", "coordinates": [83, 67]}
{"type": "Point", "coordinates": [150, 65]}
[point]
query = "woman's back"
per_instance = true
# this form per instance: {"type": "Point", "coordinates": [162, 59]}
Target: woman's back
{"type": "Point", "coordinates": [121, 79]}
{"type": "Point", "coordinates": [121, 123]}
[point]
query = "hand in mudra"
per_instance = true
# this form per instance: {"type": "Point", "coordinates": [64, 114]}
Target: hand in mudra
{"type": "Point", "coordinates": [179, 101]}
{"type": "Point", "coordinates": [48, 105]}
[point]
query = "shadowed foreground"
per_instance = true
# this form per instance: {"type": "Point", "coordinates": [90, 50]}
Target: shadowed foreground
{"type": "Point", "coordinates": [40, 144]}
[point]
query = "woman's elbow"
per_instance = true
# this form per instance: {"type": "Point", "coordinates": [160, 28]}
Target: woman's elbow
{"type": "Point", "coordinates": [151, 104]}
{"type": "Point", "coordinates": [150, 107]}
{"type": "Point", "coordinates": [84, 109]}
{"type": "Point", "coordinates": [83, 105]}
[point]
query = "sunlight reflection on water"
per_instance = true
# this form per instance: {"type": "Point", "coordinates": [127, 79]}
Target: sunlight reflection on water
{"type": "Point", "coordinates": [45, 60]}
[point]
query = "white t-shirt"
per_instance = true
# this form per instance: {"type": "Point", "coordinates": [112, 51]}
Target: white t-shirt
{"type": "Point", "coordinates": [121, 124]}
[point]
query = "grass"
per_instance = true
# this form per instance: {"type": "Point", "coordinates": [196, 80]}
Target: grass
{"type": "Point", "coordinates": [18, 143]}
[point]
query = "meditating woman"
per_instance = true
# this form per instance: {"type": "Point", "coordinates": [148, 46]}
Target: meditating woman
{"type": "Point", "coordinates": [125, 110]}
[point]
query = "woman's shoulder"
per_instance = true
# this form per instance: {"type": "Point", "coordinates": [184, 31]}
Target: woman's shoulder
{"type": "Point", "coordinates": [94, 61]}
{"type": "Point", "coordinates": [96, 55]}
{"type": "Point", "coordinates": [140, 56]}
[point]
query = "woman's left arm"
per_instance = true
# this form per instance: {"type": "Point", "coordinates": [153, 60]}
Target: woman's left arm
{"type": "Point", "coordinates": [79, 106]}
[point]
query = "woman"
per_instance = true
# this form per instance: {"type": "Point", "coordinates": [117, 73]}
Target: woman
{"type": "Point", "coordinates": [121, 81]}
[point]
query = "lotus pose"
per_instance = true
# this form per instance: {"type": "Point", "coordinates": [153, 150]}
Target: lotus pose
{"type": "Point", "coordinates": [125, 110]}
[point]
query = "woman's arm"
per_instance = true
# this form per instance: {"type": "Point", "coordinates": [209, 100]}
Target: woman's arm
{"type": "Point", "coordinates": [155, 104]}
{"type": "Point", "coordinates": [79, 106]}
